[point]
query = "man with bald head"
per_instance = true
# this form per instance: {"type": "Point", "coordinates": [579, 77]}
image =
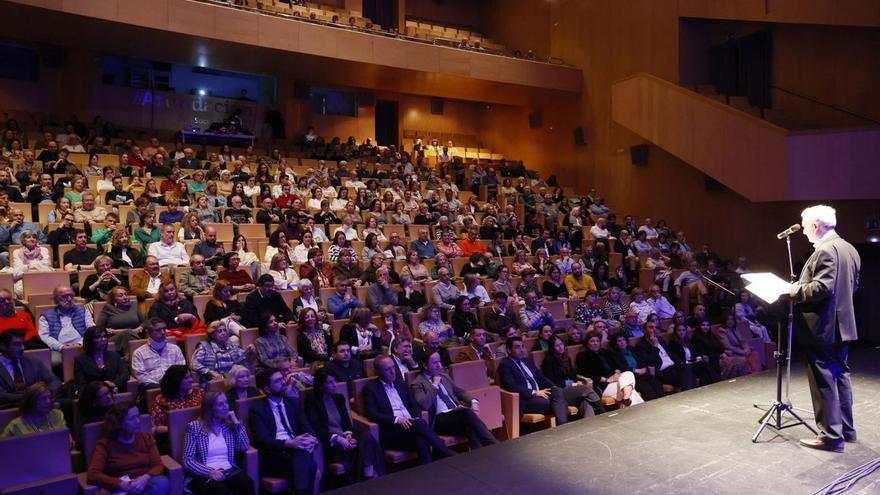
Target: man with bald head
{"type": "Point", "coordinates": [212, 250]}
{"type": "Point", "coordinates": [64, 325]}
{"type": "Point", "coordinates": [199, 279]}
{"type": "Point", "coordinates": [146, 284]}
{"type": "Point", "coordinates": [11, 231]}
{"type": "Point", "coordinates": [189, 160]}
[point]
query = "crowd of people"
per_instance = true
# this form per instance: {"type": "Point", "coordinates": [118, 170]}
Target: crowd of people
{"type": "Point", "coordinates": [455, 261]}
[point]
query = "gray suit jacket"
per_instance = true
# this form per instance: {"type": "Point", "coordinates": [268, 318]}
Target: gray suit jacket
{"type": "Point", "coordinates": [425, 394]}
{"type": "Point", "coordinates": [33, 371]}
{"type": "Point", "coordinates": [190, 284]}
{"type": "Point", "coordinates": [824, 292]}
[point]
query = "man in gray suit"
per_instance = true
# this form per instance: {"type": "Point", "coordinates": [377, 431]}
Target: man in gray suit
{"type": "Point", "coordinates": [17, 371]}
{"type": "Point", "coordinates": [451, 409]}
{"type": "Point", "coordinates": [824, 298]}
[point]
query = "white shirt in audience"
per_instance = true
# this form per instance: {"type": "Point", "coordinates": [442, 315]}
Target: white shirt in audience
{"type": "Point", "coordinates": [169, 254]}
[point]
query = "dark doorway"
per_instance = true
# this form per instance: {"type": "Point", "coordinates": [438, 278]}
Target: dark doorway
{"type": "Point", "coordinates": [381, 12]}
{"type": "Point", "coordinates": [386, 122]}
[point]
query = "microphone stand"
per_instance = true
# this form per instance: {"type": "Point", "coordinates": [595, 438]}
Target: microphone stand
{"type": "Point", "coordinates": [716, 284]}
{"type": "Point", "coordinates": [773, 416]}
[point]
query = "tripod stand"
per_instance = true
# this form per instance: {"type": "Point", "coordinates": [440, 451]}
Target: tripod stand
{"type": "Point", "coordinates": [772, 417]}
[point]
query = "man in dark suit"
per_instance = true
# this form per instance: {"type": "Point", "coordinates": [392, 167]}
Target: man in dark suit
{"type": "Point", "coordinates": [452, 409]}
{"type": "Point", "coordinates": [17, 371]}
{"type": "Point", "coordinates": [537, 394]}
{"type": "Point", "coordinates": [388, 403]}
{"type": "Point", "coordinates": [824, 298]}
{"type": "Point", "coordinates": [282, 434]}
{"type": "Point", "coordinates": [343, 367]}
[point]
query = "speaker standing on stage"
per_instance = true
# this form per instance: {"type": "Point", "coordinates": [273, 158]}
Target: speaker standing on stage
{"type": "Point", "coordinates": [824, 298]}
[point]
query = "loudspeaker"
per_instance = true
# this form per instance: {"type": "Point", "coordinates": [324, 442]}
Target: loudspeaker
{"type": "Point", "coordinates": [367, 99]}
{"type": "Point", "coordinates": [301, 90]}
{"type": "Point", "coordinates": [579, 138]}
{"type": "Point", "coordinates": [535, 120]}
{"type": "Point", "coordinates": [437, 106]}
{"type": "Point", "coordinates": [639, 154]}
{"type": "Point", "coordinates": [713, 185]}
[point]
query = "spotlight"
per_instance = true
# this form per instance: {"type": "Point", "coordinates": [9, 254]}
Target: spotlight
{"type": "Point", "coordinates": [873, 238]}
{"type": "Point", "coordinates": [202, 92]}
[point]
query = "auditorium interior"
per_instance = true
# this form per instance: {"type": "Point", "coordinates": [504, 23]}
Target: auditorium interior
{"type": "Point", "coordinates": [392, 179]}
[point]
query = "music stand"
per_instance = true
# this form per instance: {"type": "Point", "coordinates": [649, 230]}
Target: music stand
{"type": "Point", "coordinates": [768, 287]}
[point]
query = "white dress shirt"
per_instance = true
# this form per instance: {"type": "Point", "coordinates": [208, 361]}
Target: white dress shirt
{"type": "Point", "coordinates": [169, 254]}
{"type": "Point", "coordinates": [396, 402]}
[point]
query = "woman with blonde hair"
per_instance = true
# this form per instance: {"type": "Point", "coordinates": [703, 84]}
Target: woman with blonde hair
{"type": "Point", "coordinates": [285, 277]}
{"type": "Point", "coordinates": [123, 255]}
{"type": "Point", "coordinates": [191, 229]}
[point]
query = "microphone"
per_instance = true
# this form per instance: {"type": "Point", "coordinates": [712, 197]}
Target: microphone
{"type": "Point", "coordinates": [787, 232]}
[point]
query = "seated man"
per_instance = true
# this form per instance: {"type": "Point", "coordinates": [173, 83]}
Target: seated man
{"type": "Point", "coordinates": [18, 371]}
{"type": "Point", "coordinates": [90, 213]}
{"type": "Point", "coordinates": [534, 316]}
{"type": "Point", "coordinates": [168, 251]}
{"type": "Point", "coordinates": [423, 245]}
{"type": "Point", "coordinates": [146, 284]}
{"type": "Point", "coordinates": [518, 374]}
{"type": "Point", "coordinates": [18, 319]}
{"type": "Point", "coordinates": [381, 293]}
{"type": "Point", "coordinates": [343, 301]}
{"type": "Point", "coordinates": [81, 255]}
{"type": "Point", "coordinates": [343, 367]}
{"type": "Point", "coordinates": [472, 243]}
{"type": "Point", "coordinates": [445, 293]}
{"type": "Point", "coordinates": [500, 317]}
{"type": "Point", "coordinates": [11, 232]}
{"type": "Point", "coordinates": [660, 304]}
{"type": "Point", "coordinates": [283, 435]}
{"type": "Point", "coordinates": [478, 349]}
{"type": "Point", "coordinates": [213, 251]}
{"type": "Point", "coordinates": [631, 327]}
{"type": "Point", "coordinates": [118, 196]}
{"type": "Point", "coordinates": [451, 409]}
{"type": "Point", "coordinates": [237, 214]}
{"type": "Point", "coordinates": [430, 344]}
{"type": "Point", "coordinates": [199, 279]}
{"type": "Point", "coordinates": [265, 301]}
{"type": "Point", "coordinates": [693, 280]}
{"type": "Point", "coordinates": [64, 325]}
{"type": "Point", "coordinates": [578, 283]}
{"type": "Point", "coordinates": [150, 361]}
{"type": "Point", "coordinates": [402, 354]}
{"type": "Point", "coordinates": [388, 403]}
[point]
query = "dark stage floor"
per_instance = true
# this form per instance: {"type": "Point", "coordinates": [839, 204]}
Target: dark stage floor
{"type": "Point", "coordinates": [694, 442]}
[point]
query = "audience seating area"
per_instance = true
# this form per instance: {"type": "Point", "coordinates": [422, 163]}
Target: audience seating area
{"type": "Point", "coordinates": [500, 409]}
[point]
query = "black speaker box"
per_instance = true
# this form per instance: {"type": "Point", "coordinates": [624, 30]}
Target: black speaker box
{"type": "Point", "coordinates": [535, 120]}
{"type": "Point", "coordinates": [437, 106]}
{"type": "Point", "coordinates": [639, 154]}
{"type": "Point", "coordinates": [580, 138]}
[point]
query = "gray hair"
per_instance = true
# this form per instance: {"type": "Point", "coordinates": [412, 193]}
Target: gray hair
{"type": "Point", "coordinates": [823, 215]}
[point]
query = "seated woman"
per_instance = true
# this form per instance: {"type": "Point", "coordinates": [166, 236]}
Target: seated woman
{"type": "Point", "coordinates": [623, 357]}
{"type": "Point", "coordinates": [595, 364]}
{"type": "Point", "coordinates": [681, 350]}
{"type": "Point", "coordinates": [709, 346]}
{"type": "Point", "coordinates": [553, 288]}
{"type": "Point", "coordinates": [126, 460]}
{"type": "Point", "coordinates": [394, 327]}
{"type": "Point", "coordinates": [238, 385]}
{"type": "Point", "coordinates": [464, 319]}
{"type": "Point", "coordinates": [272, 344]}
{"type": "Point", "coordinates": [414, 267]}
{"type": "Point", "coordinates": [121, 252]}
{"type": "Point", "coordinates": [521, 264]}
{"type": "Point", "coordinates": [277, 245]}
{"type": "Point", "coordinates": [209, 447]}
{"type": "Point", "coordinates": [222, 306]}
{"type": "Point", "coordinates": [734, 346]}
{"type": "Point", "coordinates": [361, 334]}
{"type": "Point", "coordinates": [651, 351]}
{"type": "Point", "coordinates": [347, 268]}
{"type": "Point", "coordinates": [312, 342]}
{"type": "Point", "coordinates": [542, 262]}
{"type": "Point", "coordinates": [178, 314]}
{"type": "Point", "coordinates": [409, 296]}
{"type": "Point", "coordinates": [440, 261]}
{"type": "Point", "coordinates": [518, 244]}
{"type": "Point", "coordinates": [340, 242]}
{"type": "Point", "coordinates": [545, 334]}
{"type": "Point", "coordinates": [248, 260]}
{"type": "Point", "coordinates": [433, 322]}
{"type": "Point", "coordinates": [97, 286]}
{"type": "Point", "coordinates": [176, 392]}
{"type": "Point", "coordinates": [36, 413]}
{"type": "Point", "coordinates": [285, 277]}
{"type": "Point", "coordinates": [31, 257]}
{"type": "Point", "coordinates": [328, 415]}
{"type": "Point", "coordinates": [97, 364]}
{"type": "Point", "coordinates": [559, 369]}
{"type": "Point", "coordinates": [217, 355]}
{"type": "Point", "coordinates": [237, 276]}
{"type": "Point", "coordinates": [95, 399]}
